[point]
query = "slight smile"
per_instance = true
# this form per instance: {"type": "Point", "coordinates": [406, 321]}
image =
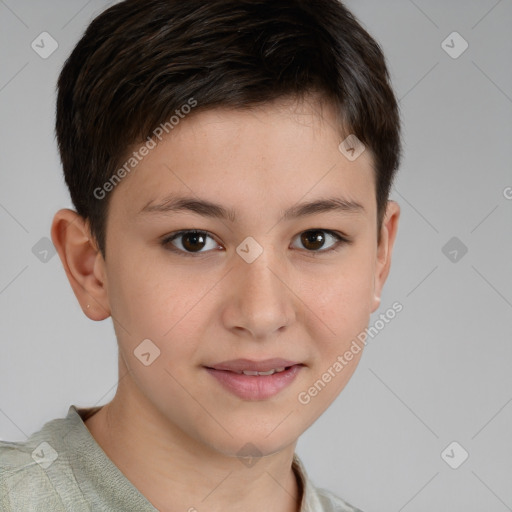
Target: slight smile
{"type": "Point", "coordinates": [255, 380]}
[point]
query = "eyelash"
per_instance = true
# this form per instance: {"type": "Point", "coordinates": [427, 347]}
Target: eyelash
{"type": "Point", "coordinates": [166, 242]}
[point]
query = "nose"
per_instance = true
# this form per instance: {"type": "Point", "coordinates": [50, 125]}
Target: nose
{"type": "Point", "coordinates": [260, 302]}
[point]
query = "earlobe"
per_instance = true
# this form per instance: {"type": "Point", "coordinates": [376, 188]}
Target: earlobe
{"type": "Point", "coordinates": [385, 249]}
{"type": "Point", "coordinates": [82, 262]}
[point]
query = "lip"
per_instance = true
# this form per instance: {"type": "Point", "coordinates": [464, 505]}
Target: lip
{"type": "Point", "coordinates": [254, 387]}
{"type": "Point", "coordinates": [237, 365]}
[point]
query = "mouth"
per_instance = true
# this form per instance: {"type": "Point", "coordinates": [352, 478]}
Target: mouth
{"type": "Point", "coordinates": [255, 380]}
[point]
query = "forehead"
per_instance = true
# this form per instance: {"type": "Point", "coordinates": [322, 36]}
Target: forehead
{"type": "Point", "coordinates": [248, 159]}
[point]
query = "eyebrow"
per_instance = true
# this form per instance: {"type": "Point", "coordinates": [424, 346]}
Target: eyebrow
{"type": "Point", "coordinates": [174, 204]}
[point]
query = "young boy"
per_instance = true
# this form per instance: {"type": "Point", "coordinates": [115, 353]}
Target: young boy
{"type": "Point", "coordinates": [267, 135]}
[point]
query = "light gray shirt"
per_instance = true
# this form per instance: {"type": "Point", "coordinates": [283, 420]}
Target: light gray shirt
{"type": "Point", "coordinates": [61, 468]}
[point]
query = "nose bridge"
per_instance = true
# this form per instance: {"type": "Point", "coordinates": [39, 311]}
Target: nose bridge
{"type": "Point", "coordinates": [262, 303]}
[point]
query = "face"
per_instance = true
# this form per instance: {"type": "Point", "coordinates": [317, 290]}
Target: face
{"type": "Point", "coordinates": [215, 260]}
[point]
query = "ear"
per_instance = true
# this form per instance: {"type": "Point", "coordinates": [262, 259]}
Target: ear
{"type": "Point", "coordinates": [384, 250]}
{"type": "Point", "coordinates": [82, 261]}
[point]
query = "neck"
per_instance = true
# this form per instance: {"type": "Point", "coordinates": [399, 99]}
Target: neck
{"type": "Point", "coordinates": [176, 472]}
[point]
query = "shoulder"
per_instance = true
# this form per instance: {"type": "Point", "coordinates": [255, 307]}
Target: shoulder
{"type": "Point", "coordinates": [332, 503]}
{"type": "Point", "coordinates": [316, 499]}
{"type": "Point", "coordinates": [22, 479]}
{"type": "Point", "coordinates": [29, 470]}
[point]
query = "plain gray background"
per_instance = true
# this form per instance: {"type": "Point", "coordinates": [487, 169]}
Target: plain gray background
{"type": "Point", "coordinates": [438, 373]}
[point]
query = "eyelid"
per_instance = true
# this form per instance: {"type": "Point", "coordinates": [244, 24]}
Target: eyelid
{"type": "Point", "coordinates": [341, 240]}
{"type": "Point", "coordinates": [166, 242]}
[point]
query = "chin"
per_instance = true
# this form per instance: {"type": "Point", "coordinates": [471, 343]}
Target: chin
{"type": "Point", "coordinates": [250, 441]}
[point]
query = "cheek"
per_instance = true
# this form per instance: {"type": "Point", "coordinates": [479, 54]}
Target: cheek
{"type": "Point", "coordinates": [341, 305]}
{"type": "Point", "coordinates": [157, 302]}
{"type": "Point", "coordinates": [144, 294]}
{"type": "Point", "coordinates": [349, 300]}
{"type": "Point", "coordinates": [342, 296]}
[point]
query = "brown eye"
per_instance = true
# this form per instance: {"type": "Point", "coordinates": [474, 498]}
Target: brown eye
{"type": "Point", "coordinates": [193, 241]}
{"type": "Point", "coordinates": [314, 240]}
{"type": "Point", "coordinates": [189, 242]}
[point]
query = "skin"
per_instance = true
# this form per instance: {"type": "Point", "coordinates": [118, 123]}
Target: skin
{"type": "Point", "coordinates": [171, 428]}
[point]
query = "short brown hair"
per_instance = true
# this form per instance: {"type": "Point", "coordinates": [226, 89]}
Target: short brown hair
{"type": "Point", "coordinates": [141, 60]}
